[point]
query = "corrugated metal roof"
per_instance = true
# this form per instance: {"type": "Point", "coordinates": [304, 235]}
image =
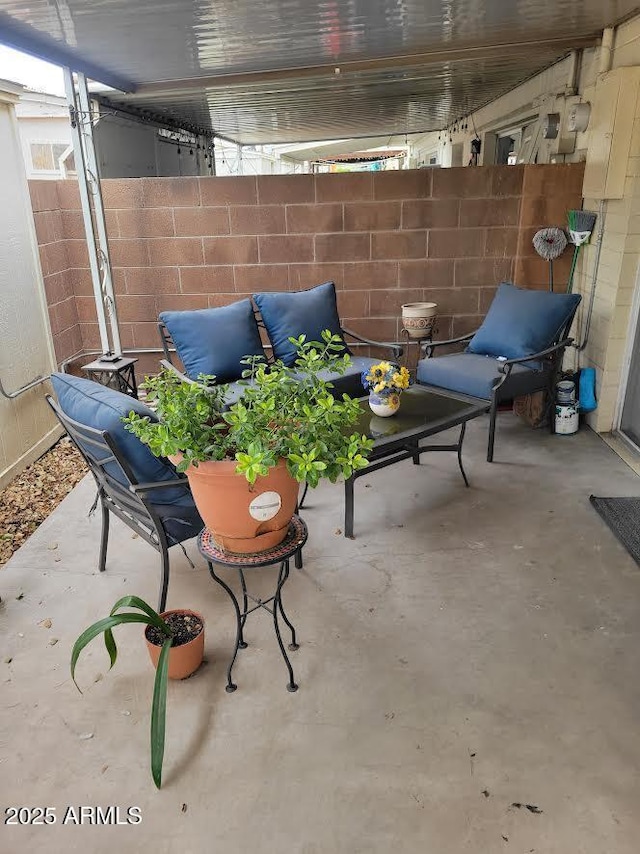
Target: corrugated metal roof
{"type": "Point", "coordinates": [265, 71]}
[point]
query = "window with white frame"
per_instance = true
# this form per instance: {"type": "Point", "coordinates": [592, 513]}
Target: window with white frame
{"type": "Point", "coordinates": [45, 156]}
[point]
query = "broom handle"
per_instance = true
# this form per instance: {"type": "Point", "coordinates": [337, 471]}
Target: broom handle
{"type": "Point", "coordinates": [574, 261]}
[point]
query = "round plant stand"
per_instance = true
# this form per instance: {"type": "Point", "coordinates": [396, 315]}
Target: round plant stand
{"type": "Point", "coordinates": [281, 554]}
{"type": "Point", "coordinates": [409, 361]}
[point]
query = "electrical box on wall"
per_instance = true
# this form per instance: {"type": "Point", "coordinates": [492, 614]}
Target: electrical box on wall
{"type": "Point", "coordinates": [610, 130]}
{"type": "Point", "coordinates": [578, 117]}
{"type": "Point", "coordinates": [558, 139]}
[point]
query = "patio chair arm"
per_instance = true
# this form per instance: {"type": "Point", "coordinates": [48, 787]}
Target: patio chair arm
{"type": "Point", "coordinates": [171, 367]}
{"type": "Point", "coordinates": [429, 346]}
{"type": "Point", "coordinates": [535, 357]}
{"type": "Point", "coordinates": [161, 484]}
{"type": "Point", "coordinates": [395, 348]}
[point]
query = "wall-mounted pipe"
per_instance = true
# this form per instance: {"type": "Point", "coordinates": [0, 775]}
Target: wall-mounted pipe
{"type": "Point", "coordinates": [132, 351]}
{"type": "Point", "coordinates": [571, 87]}
{"type": "Point", "coordinates": [11, 395]}
{"type": "Point", "coordinates": [606, 50]}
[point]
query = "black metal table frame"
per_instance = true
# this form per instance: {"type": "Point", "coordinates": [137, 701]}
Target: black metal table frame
{"type": "Point", "coordinates": [295, 551]}
{"type": "Point", "coordinates": [392, 451]}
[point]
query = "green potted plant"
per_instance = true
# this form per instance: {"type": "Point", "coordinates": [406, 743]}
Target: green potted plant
{"type": "Point", "coordinates": [244, 463]}
{"type": "Point", "coordinates": [175, 640]}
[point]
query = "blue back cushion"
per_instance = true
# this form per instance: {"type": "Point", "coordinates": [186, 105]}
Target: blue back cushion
{"type": "Point", "coordinates": [102, 408]}
{"type": "Point", "coordinates": [521, 322]}
{"type": "Point", "coordinates": [214, 340]}
{"type": "Point", "coordinates": [307, 313]}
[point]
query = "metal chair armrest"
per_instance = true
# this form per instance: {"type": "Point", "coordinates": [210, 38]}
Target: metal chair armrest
{"type": "Point", "coordinates": [535, 357]}
{"type": "Point", "coordinates": [161, 484]}
{"type": "Point", "coordinates": [171, 367]}
{"type": "Point", "coordinates": [429, 346]}
{"type": "Point", "coordinates": [395, 348]}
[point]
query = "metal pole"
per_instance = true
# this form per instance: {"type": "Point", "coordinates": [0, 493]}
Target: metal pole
{"type": "Point", "coordinates": [86, 207]}
{"type": "Point", "coordinates": [104, 260]}
{"type": "Point", "coordinates": [11, 395]}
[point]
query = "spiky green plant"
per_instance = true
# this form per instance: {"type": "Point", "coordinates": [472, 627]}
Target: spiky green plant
{"type": "Point", "coordinates": [105, 626]}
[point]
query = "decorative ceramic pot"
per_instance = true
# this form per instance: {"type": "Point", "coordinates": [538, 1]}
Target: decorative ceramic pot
{"type": "Point", "coordinates": [418, 318]}
{"type": "Point", "coordinates": [186, 658]}
{"type": "Point", "coordinates": [384, 405]}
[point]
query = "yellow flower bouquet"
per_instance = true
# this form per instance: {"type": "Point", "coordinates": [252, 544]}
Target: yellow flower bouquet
{"type": "Point", "coordinates": [385, 378]}
{"type": "Point", "coordinates": [385, 382]}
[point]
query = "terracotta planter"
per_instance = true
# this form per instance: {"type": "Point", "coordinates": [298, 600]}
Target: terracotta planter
{"type": "Point", "coordinates": [243, 518]}
{"type": "Point", "coordinates": [418, 318]}
{"type": "Point", "coordinates": [184, 659]}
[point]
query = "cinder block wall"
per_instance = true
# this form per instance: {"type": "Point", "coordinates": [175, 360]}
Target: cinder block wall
{"type": "Point", "coordinates": [58, 277]}
{"type": "Point", "coordinates": [446, 235]}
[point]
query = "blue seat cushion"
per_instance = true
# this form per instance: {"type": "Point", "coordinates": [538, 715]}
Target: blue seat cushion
{"type": "Point", "coordinates": [180, 520]}
{"type": "Point", "coordinates": [475, 375]}
{"type": "Point", "coordinates": [309, 313]}
{"type": "Point", "coordinates": [214, 340]}
{"type": "Point", "coordinates": [521, 322]}
{"type": "Point", "coordinates": [102, 408]}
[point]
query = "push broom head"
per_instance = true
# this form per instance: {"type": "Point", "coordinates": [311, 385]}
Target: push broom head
{"type": "Point", "coordinates": [581, 225]}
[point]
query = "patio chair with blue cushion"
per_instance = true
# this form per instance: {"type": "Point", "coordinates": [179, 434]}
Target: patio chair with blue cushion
{"type": "Point", "coordinates": [214, 340]}
{"type": "Point", "coordinates": [517, 350]}
{"type": "Point", "coordinates": [145, 492]}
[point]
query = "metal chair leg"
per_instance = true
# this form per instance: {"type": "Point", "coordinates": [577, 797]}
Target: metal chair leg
{"type": "Point", "coordinates": [104, 537]}
{"type": "Point", "coordinates": [492, 429]}
{"type": "Point", "coordinates": [164, 583]}
{"type": "Point", "coordinates": [348, 507]}
{"type": "Point", "coordinates": [304, 495]}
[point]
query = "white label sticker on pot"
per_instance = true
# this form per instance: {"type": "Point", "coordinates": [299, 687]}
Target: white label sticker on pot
{"type": "Point", "coordinates": [265, 506]}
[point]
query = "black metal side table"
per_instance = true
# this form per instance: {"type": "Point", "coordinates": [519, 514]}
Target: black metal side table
{"type": "Point", "coordinates": [291, 546]}
{"type": "Point", "coordinates": [118, 374]}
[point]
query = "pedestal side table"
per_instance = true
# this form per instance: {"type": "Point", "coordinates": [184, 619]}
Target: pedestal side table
{"type": "Point", "coordinates": [290, 547]}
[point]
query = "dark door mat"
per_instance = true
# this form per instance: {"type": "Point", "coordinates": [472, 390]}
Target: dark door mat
{"type": "Point", "coordinates": [622, 515]}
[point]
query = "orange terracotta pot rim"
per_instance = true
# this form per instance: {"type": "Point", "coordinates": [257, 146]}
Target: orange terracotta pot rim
{"type": "Point", "coordinates": [223, 465]}
{"type": "Point", "coordinates": [189, 611]}
{"type": "Point", "coordinates": [230, 465]}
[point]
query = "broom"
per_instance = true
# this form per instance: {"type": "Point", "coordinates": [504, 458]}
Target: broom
{"type": "Point", "coordinates": [550, 243]}
{"type": "Point", "coordinates": [581, 225]}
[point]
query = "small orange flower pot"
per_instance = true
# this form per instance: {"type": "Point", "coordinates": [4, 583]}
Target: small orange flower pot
{"type": "Point", "coordinates": [186, 658]}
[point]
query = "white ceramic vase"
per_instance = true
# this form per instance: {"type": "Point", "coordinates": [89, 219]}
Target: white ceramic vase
{"type": "Point", "coordinates": [384, 405]}
{"type": "Point", "coordinates": [418, 318]}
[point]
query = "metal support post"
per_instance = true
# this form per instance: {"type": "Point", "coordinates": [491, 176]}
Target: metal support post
{"type": "Point", "coordinates": [93, 212]}
{"type": "Point", "coordinates": [212, 158]}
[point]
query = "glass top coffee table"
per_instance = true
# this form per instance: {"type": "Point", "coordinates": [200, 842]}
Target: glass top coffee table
{"type": "Point", "coordinates": [423, 413]}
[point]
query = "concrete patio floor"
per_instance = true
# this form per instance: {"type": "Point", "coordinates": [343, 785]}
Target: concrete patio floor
{"type": "Point", "coordinates": [471, 649]}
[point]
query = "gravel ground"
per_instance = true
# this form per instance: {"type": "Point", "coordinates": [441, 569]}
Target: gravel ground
{"type": "Point", "coordinates": [35, 493]}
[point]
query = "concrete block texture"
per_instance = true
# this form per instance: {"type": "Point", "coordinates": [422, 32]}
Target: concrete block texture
{"type": "Point", "coordinates": [446, 235]}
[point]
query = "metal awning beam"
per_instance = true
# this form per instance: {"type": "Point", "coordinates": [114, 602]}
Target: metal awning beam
{"type": "Point", "coordinates": [27, 39]}
{"type": "Point", "coordinates": [464, 54]}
